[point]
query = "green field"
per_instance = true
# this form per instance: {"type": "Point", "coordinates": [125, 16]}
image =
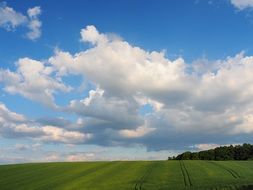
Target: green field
{"type": "Point", "coordinates": [127, 175]}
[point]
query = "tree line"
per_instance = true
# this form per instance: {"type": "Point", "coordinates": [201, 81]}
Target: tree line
{"type": "Point", "coordinates": [237, 152]}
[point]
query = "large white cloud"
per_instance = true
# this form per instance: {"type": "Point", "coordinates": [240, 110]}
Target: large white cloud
{"type": "Point", "coordinates": [201, 106]}
{"type": "Point", "coordinates": [190, 99]}
{"type": "Point", "coordinates": [122, 70]}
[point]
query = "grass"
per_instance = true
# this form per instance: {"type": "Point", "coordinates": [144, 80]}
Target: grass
{"type": "Point", "coordinates": [128, 175]}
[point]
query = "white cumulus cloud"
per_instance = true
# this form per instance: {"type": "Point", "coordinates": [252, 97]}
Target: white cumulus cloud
{"type": "Point", "coordinates": [33, 80]}
{"type": "Point", "coordinates": [188, 102]}
{"type": "Point", "coordinates": [186, 99]}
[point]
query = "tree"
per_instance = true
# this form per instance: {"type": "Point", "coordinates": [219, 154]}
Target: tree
{"type": "Point", "coordinates": [238, 152]}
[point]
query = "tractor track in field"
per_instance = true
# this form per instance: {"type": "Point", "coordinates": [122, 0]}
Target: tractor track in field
{"type": "Point", "coordinates": [185, 173]}
{"type": "Point", "coordinates": [229, 170]}
{"type": "Point", "coordinates": [139, 183]}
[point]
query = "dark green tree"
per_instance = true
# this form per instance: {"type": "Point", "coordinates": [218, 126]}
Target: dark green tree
{"type": "Point", "coordinates": [238, 152]}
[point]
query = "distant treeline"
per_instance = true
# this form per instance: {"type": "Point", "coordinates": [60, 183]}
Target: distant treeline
{"type": "Point", "coordinates": [238, 152]}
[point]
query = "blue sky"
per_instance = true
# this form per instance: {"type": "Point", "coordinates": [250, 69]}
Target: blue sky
{"type": "Point", "coordinates": [108, 80]}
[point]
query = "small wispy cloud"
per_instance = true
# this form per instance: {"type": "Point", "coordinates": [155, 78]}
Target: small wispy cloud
{"type": "Point", "coordinates": [242, 4]}
{"type": "Point", "coordinates": [11, 19]}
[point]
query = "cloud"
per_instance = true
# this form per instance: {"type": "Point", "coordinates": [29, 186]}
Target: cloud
{"type": "Point", "coordinates": [25, 147]}
{"type": "Point", "coordinates": [22, 147]}
{"type": "Point", "coordinates": [242, 4]}
{"type": "Point", "coordinates": [10, 19]}
{"type": "Point", "coordinates": [56, 134]}
{"type": "Point", "coordinates": [10, 116]}
{"type": "Point", "coordinates": [33, 80]}
{"type": "Point", "coordinates": [139, 132]}
{"type": "Point", "coordinates": [75, 157]}
{"type": "Point", "coordinates": [34, 24]}
{"type": "Point", "coordinates": [206, 146]}
{"type": "Point", "coordinates": [210, 146]}
{"type": "Point", "coordinates": [59, 121]}
{"type": "Point", "coordinates": [34, 12]}
{"type": "Point", "coordinates": [189, 101]}
{"type": "Point", "coordinates": [116, 64]}
{"type": "Point", "coordinates": [13, 159]}
{"type": "Point", "coordinates": [117, 113]}
{"type": "Point", "coordinates": [90, 34]}
{"type": "Point", "coordinates": [52, 157]}
{"type": "Point", "coordinates": [13, 125]}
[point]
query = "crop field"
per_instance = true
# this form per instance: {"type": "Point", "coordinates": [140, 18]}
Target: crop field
{"type": "Point", "coordinates": [128, 175]}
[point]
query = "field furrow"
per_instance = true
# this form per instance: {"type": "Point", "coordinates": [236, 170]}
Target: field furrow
{"type": "Point", "coordinates": [139, 184]}
{"type": "Point", "coordinates": [185, 173]}
{"type": "Point", "coordinates": [229, 170]}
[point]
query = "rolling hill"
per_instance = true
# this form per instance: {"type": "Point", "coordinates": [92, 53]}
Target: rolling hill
{"type": "Point", "coordinates": [128, 175]}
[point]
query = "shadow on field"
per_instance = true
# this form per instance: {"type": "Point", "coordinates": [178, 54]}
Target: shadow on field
{"type": "Point", "coordinates": [248, 187]}
{"type": "Point", "coordinates": [244, 187]}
